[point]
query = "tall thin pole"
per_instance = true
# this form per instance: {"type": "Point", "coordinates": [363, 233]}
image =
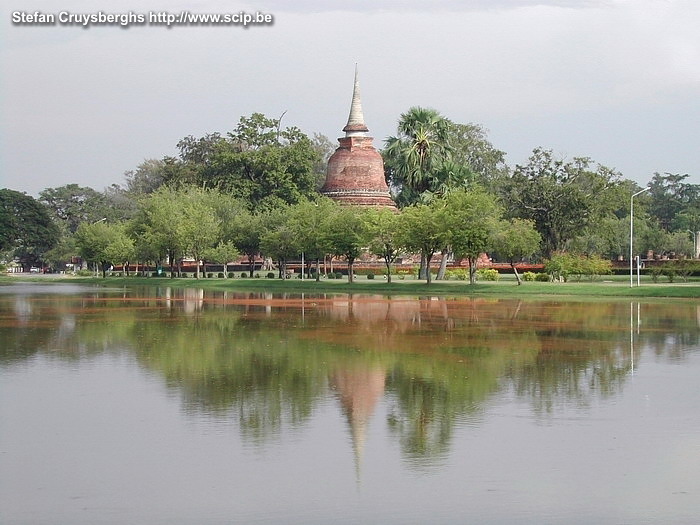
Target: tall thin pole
{"type": "Point", "coordinates": [695, 243]}
{"type": "Point", "coordinates": [632, 232]}
{"type": "Point", "coordinates": [97, 264]}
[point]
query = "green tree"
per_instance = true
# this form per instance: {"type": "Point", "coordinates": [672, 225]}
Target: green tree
{"type": "Point", "coordinates": [102, 243]}
{"type": "Point", "coordinates": [26, 229]}
{"type": "Point", "coordinates": [561, 198]}
{"type": "Point", "coordinates": [222, 253]}
{"type": "Point", "coordinates": [649, 237]}
{"type": "Point", "coordinates": [259, 162]}
{"type": "Point", "coordinates": [146, 249]}
{"type": "Point", "coordinates": [62, 252]}
{"type": "Point", "coordinates": [247, 229]}
{"type": "Point", "coordinates": [610, 237]}
{"type": "Point", "coordinates": [324, 148]}
{"type": "Point", "coordinates": [515, 240]}
{"type": "Point", "coordinates": [238, 226]}
{"type": "Point", "coordinates": [416, 152]}
{"type": "Point", "coordinates": [383, 231]}
{"type": "Point", "coordinates": [72, 205]}
{"type": "Point", "coordinates": [472, 149]}
{"type": "Point", "coordinates": [120, 205]}
{"type": "Point", "coordinates": [670, 197]}
{"type": "Point", "coordinates": [431, 155]}
{"type": "Point", "coordinates": [156, 227]}
{"type": "Point", "coordinates": [120, 248]}
{"type": "Point", "coordinates": [312, 222]}
{"type": "Point", "coordinates": [422, 231]}
{"type": "Point", "coordinates": [468, 219]}
{"type": "Point", "coordinates": [199, 151]}
{"type": "Point", "coordinates": [198, 226]}
{"type": "Point", "coordinates": [146, 178]}
{"type": "Point", "coordinates": [348, 235]}
{"type": "Point", "coordinates": [678, 244]}
{"type": "Point", "coordinates": [280, 241]}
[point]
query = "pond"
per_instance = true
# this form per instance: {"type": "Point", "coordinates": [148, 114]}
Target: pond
{"type": "Point", "coordinates": [158, 405]}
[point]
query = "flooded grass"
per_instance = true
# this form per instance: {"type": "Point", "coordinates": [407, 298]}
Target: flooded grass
{"type": "Point", "coordinates": [612, 286]}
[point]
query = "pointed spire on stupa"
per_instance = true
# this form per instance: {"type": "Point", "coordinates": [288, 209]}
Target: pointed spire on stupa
{"type": "Point", "coordinates": [356, 121]}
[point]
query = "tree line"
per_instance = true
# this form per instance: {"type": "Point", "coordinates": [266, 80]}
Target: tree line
{"type": "Point", "coordinates": [254, 191]}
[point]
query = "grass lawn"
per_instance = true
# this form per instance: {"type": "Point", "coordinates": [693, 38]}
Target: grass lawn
{"type": "Point", "coordinates": [609, 286]}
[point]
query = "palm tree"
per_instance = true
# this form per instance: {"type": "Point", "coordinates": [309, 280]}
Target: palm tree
{"type": "Point", "coordinates": [414, 155]}
{"type": "Point", "coordinates": [418, 159]}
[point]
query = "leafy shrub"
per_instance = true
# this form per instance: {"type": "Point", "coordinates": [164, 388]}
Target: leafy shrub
{"type": "Point", "coordinates": [370, 276]}
{"type": "Point", "coordinates": [563, 265]}
{"type": "Point", "coordinates": [220, 275]}
{"type": "Point", "coordinates": [597, 266]}
{"type": "Point", "coordinates": [529, 276]}
{"type": "Point", "coordinates": [458, 274]}
{"type": "Point", "coordinates": [270, 275]}
{"type": "Point", "coordinates": [542, 277]}
{"type": "Point", "coordinates": [85, 273]}
{"type": "Point", "coordinates": [559, 266]}
{"type": "Point", "coordinates": [488, 274]}
{"type": "Point", "coordinates": [231, 275]}
{"type": "Point", "coordinates": [257, 276]}
{"type": "Point", "coordinates": [244, 275]}
{"type": "Point", "coordinates": [210, 275]}
{"type": "Point", "coordinates": [338, 275]}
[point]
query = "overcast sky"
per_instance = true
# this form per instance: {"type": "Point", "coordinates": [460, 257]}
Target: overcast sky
{"type": "Point", "coordinates": [614, 80]}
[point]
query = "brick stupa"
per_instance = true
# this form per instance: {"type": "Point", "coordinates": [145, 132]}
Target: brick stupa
{"type": "Point", "coordinates": [355, 173]}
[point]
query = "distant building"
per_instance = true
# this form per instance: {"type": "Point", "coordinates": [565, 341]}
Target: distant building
{"type": "Point", "coordinates": [355, 173]}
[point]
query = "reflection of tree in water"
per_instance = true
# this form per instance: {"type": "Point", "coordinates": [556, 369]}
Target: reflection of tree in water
{"type": "Point", "coordinates": [436, 360]}
{"type": "Point", "coordinates": [552, 379]}
{"type": "Point", "coordinates": [672, 331]}
{"type": "Point", "coordinates": [423, 417]}
{"type": "Point", "coordinates": [581, 353]}
{"type": "Point", "coordinates": [65, 327]}
{"type": "Point", "coordinates": [229, 367]}
{"type": "Point", "coordinates": [431, 394]}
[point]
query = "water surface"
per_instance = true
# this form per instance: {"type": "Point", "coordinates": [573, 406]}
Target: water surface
{"type": "Point", "coordinates": [184, 406]}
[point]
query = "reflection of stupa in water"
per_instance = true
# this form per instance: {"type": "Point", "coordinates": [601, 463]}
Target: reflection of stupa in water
{"type": "Point", "coordinates": [359, 389]}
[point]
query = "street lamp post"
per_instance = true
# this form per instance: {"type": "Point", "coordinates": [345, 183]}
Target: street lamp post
{"type": "Point", "coordinates": [97, 269]}
{"type": "Point", "coordinates": [632, 232]}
